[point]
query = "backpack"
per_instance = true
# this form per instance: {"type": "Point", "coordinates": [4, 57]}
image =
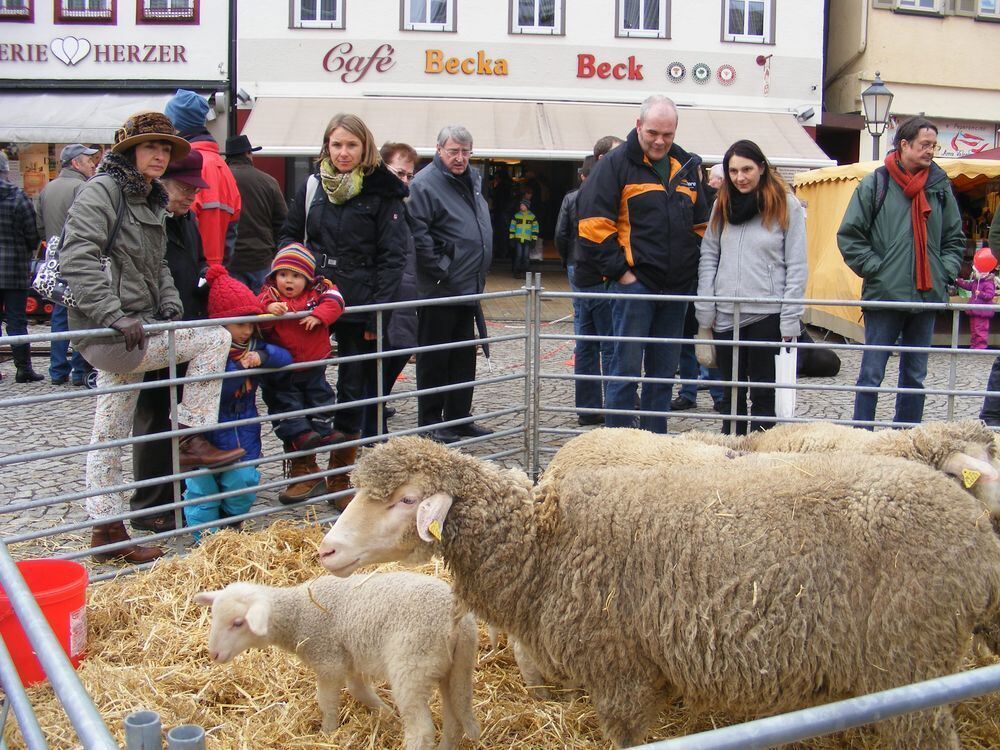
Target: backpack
{"type": "Point", "coordinates": [882, 187]}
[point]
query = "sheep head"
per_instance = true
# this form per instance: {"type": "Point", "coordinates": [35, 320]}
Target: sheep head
{"type": "Point", "coordinates": [405, 489]}
{"type": "Point", "coordinates": [240, 614]}
{"type": "Point", "coordinates": [966, 450]}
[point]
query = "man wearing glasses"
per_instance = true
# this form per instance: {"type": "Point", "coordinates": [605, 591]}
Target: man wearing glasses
{"type": "Point", "coordinates": [902, 234]}
{"type": "Point", "coordinates": [453, 236]}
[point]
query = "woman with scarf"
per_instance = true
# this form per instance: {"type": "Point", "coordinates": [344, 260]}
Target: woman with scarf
{"type": "Point", "coordinates": [113, 260]}
{"type": "Point", "coordinates": [754, 246]}
{"type": "Point", "coordinates": [350, 215]}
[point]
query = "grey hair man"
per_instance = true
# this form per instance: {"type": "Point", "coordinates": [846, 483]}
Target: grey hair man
{"type": "Point", "coordinates": [453, 236]}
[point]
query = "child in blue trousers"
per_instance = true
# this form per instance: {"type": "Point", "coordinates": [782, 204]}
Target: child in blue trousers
{"type": "Point", "coordinates": [228, 298]}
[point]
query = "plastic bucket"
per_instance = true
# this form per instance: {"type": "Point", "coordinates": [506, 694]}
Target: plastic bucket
{"type": "Point", "coordinates": [60, 588]}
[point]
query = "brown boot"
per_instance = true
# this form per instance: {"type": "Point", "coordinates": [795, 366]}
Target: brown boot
{"type": "Point", "coordinates": [299, 491]}
{"type": "Point", "coordinates": [340, 458]}
{"type": "Point", "coordinates": [110, 533]}
{"type": "Point", "coordinates": [196, 451]}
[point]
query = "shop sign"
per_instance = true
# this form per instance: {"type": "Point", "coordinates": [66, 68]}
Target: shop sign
{"type": "Point", "coordinates": [588, 67]}
{"type": "Point", "coordinates": [480, 65]}
{"type": "Point", "coordinates": [956, 138]}
{"type": "Point", "coordinates": [341, 59]}
{"type": "Point", "coordinates": [71, 50]}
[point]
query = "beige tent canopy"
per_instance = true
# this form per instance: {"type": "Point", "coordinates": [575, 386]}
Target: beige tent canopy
{"type": "Point", "coordinates": [827, 192]}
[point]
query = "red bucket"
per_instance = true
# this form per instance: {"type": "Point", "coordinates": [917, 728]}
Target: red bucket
{"type": "Point", "coordinates": [60, 588]}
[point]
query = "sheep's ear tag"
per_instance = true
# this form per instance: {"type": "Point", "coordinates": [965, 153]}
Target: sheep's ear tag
{"type": "Point", "coordinates": [430, 516]}
{"type": "Point", "coordinates": [970, 476]}
{"type": "Point", "coordinates": [435, 529]}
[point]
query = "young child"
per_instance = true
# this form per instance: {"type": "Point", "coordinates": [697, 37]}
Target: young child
{"type": "Point", "coordinates": [292, 286]}
{"type": "Point", "coordinates": [523, 234]}
{"type": "Point", "coordinates": [982, 288]}
{"type": "Point", "coordinates": [228, 298]}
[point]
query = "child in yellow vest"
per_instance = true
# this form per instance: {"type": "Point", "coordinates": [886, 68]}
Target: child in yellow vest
{"type": "Point", "coordinates": [523, 233]}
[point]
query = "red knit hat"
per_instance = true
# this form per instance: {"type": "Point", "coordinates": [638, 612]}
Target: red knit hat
{"type": "Point", "coordinates": [227, 297]}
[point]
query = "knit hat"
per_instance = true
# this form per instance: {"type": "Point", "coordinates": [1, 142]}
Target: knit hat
{"type": "Point", "coordinates": [227, 297]}
{"type": "Point", "coordinates": [294, 257]}
{"type": "Point", "coordinates": [150, 126]}
{"type": "Point", "coordinates": [186, 110]}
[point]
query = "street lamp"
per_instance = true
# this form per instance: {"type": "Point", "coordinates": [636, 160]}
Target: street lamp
{"type": "Point", "coordinates": [877, 100]}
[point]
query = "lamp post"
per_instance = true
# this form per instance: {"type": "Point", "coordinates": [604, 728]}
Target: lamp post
{"type": "Point", "coordinates": [876, 100]}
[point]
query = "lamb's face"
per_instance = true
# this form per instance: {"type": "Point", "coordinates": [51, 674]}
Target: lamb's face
{"type": "Point", "coordinates": [376, 530]}
{"type": "Point", "coordinates": [239, 622]}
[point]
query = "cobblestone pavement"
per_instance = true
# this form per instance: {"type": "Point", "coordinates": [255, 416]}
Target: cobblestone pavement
{"type": "Point", "coordinates": [68, 422]}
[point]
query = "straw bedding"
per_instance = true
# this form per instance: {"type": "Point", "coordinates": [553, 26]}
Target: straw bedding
{"type": "Point", "coordinates": [147, 650]}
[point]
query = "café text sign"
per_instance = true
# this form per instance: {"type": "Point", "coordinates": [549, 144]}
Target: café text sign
{"type": "Point", "coordinates": [480, 65]}
{"type": "Point", "coordinates": [353, 67]}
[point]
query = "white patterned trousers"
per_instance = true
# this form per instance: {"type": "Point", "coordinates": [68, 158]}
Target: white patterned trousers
{"type": "Point", "coordinates": [205, 350]}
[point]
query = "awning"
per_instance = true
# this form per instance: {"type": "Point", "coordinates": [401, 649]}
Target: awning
{"type": "Point", "coordinates": [58, 117]}
{"type": "Point", "coordinates": [287, 126]}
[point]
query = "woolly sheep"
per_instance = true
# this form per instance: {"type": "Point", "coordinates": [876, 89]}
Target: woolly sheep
{"type": "Point", "coordinates": [398, 627]}
{"type": "Point", "coordinates": [749, 590]}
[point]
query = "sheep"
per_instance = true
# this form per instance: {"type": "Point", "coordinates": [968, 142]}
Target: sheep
{"type": "Point", "coordinates": [398, 627]}
{"type": "Point", "coordinates": [750, 589]}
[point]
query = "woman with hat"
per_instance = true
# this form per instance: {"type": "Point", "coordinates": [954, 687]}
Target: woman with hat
{"type": "Point", "coordinates": [113, 259]}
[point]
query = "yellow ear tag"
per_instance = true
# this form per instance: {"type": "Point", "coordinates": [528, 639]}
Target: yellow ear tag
{"type": "Point", "coordinates": [969, 477]}
{"type": "Point", "coordinates": [435, 529]}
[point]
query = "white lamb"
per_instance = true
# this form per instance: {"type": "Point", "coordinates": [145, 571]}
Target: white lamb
{"type": "Point", "coordinates": [399, 627]}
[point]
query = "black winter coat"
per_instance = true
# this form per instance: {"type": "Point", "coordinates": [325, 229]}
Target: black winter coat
{"type": "Point", "coordinates": [186, 261]}
{"type": "Point", "coordinates": [360, 245]}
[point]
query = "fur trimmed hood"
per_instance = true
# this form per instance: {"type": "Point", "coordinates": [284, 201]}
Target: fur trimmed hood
{"type": "Point", "coordinates": [131, 181]}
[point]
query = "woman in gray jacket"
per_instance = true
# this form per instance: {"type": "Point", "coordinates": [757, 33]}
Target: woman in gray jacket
{"type": "Point", "coordinates": [754, 246]}
{"type": "Point", "coordinates": [113, 259]}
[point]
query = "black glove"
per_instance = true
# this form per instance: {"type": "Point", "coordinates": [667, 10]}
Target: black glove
{"type": "Point", "coordinates": [170, 311]}
{"type": "Point", "coordinates": [131, 329]}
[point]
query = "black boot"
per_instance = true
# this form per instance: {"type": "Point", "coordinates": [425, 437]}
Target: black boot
{"type": "Point", "coordinates": [22, 361]}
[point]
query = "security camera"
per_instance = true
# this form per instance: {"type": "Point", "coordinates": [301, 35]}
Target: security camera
{"type": "Point", "coordinates": [804, 113]}
{"type": "Point", "coordinates": [243, 96]}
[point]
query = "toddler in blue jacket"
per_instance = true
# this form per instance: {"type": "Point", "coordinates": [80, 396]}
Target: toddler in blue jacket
{"type": "Point", "coordinates": [228, 298]}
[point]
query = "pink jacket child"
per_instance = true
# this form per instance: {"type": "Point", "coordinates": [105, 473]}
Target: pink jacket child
{"type": "Point", "coordinates": [982, 288]}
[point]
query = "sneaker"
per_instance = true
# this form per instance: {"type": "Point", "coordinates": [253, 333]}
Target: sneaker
{"type": "Point", "coordinates": [681, 404]}
{"type": "Point", "coordinates": [587, 420]}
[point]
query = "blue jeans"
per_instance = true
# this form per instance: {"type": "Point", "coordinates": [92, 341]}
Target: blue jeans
{"type": "Point", "coordinates": [883, 328]}
{"type": "Point", "coordinates": [241, 477]}
{"type": "Point", "coordinates": [632, 315]}
{"type": "Point", "coordinates": [14, 302]}
{"type": "Point", "coordinates": [689, 369]}
{"type": "Point", "coordinates": [60, 365]}
{"type": "Point", "coordinates": [591, 317]}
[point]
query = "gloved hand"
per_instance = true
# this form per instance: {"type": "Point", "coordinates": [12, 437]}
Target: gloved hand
{"type": "Point", "coordinates": [170, 311]}
{"type": "Point", "coordinates": [131, 329]}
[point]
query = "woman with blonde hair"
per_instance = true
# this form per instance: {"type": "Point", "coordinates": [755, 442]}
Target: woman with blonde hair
{"type": "Point", "coordinates": [350, 216]}
{"type": "Point", "coordinates": [754, 246]}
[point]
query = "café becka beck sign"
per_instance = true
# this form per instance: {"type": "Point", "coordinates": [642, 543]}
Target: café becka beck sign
{"type": "Point", "coordinates": [72, 50]}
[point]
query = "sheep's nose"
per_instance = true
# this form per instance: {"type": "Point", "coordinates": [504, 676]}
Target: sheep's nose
{"type": "Point", "coordinates": [214, 655]}
{"type": "Point", "coordinates": [326, 552]}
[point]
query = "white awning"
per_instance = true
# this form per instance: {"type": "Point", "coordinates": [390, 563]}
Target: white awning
{"type": "Point", "coordinates": [291, 126]}
{"type": "Point", "coordinates": [58, 117]}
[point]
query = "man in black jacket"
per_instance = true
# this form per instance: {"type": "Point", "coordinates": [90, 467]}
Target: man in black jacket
{"type": "Point", "coordinates": [638, 219]}
{"type": "Point", "coordinates": [261, 217]}
{"type": "Point", "coordinates": [453, 236]}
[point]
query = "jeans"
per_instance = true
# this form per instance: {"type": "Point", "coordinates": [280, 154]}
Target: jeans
{"type": "Point", "coordinates": [756, 364]}
{"type": "Point", "coordinates": [591, 317]}
{"type": "Point", "coordinates": [882, 328]}
{"type": "Point", "coordinates": [296, 390]}
{"type": "Point", "coordinates": [60, 365]}
{"type": "Point", "coordinates": [632, 315]}
{"type": "Point", "coordinates": [689, 368]}
{"type": "Point", "coordinates": [991, 404]}
{"type": "Point", "coordinates": [254, 280]}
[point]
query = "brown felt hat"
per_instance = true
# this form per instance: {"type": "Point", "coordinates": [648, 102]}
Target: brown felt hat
{"type": "Point", "coordinates": [150, 126]}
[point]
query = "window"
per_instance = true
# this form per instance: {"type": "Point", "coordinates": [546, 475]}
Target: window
{"type": "Point", "coordinates": [318, 14]}
{"type": "Point", "coordinates": [17, 10]}
{"type": "Point", "coordinates": [989, 8]}
{"type": "Point", "coordinates": [86, 11]}
{"type": "Point", "coordinates": [537, 16]}
{"type": "Point", "coordinates": [929, 5]}
{"type": "Point", "coordinates": [649, 18]}
{"type": "Point", "coordinates": [748, 21]}
{"type": "Point", "coordinates": [167, 11]}
{"type": "Point", "coordinates": [428, 15]}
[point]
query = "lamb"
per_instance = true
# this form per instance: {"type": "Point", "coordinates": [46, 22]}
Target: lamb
{"type": "Point", "coordinates": [398, 627]}
{"type": "Point", "coordinates": [751, 589]}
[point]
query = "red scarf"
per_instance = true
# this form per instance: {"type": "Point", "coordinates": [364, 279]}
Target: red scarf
{"type": "Point", "coordinates": [920, 209]}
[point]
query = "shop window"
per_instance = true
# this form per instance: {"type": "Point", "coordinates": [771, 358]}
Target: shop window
{"type": "Point", "coordinates": [989, 9]}
{"type": "Point", "coordinates": [428, 15]}
{"type": "Point", "coordinates": [537, 16]}
{"type": "Point", "coordinates": [17, 10]}
{"type": "Point", "coordinates": [318, 14]}
{"type": "Point", "coordinates": [646, 18]}
{"type": "Point", "coordinates": [86, 11]}
{"type": "Point", "coordinates": [748, 21]}
{"type": "Point", "coordinates": [167, 11]}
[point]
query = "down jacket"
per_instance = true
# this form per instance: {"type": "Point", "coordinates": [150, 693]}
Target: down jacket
{"type": "Point", "coordinates": [359, 245]}
{"type": "Point", "coordinates": [982, 291]}
{"type": "Point", "coordinates": [140, 281]}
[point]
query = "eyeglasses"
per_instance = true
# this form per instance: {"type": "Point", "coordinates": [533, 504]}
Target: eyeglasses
{"type": "Point", "coordinates": [453, 152]}
{"type": "Point", "coordinates": [402, 174]}
{"type": "Point", "coordinates": [187, 190]}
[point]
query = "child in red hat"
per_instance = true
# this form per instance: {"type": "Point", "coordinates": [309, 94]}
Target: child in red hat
{"type": "Point", "coordinates": [292, 286]}
{"type": "Point", "coordinates": [228, 298]}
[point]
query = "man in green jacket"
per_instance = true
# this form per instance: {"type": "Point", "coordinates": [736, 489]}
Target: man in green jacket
{"type": "Point", "coordinates": [902, 234]}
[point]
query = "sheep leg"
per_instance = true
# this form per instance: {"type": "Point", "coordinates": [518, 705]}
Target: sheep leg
{"type": "Point", "coordinates": [626, 709]}
{"type": "Point", "coordinates": [411, 699]}
{"type": "Point", "coordinates": [328, 687]}
{"type": "Point", "coordinates": [456, 693]}
{"type": "Point", "coordinates": [932, 728]}
{"type": "Point", "coordinates": [534, 681]}
{"type": "Point", "coordinates": [363, 692]}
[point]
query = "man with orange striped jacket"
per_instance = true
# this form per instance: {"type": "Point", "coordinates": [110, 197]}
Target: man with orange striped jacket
{"type": "Point", "coordinates": [641, 214]}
